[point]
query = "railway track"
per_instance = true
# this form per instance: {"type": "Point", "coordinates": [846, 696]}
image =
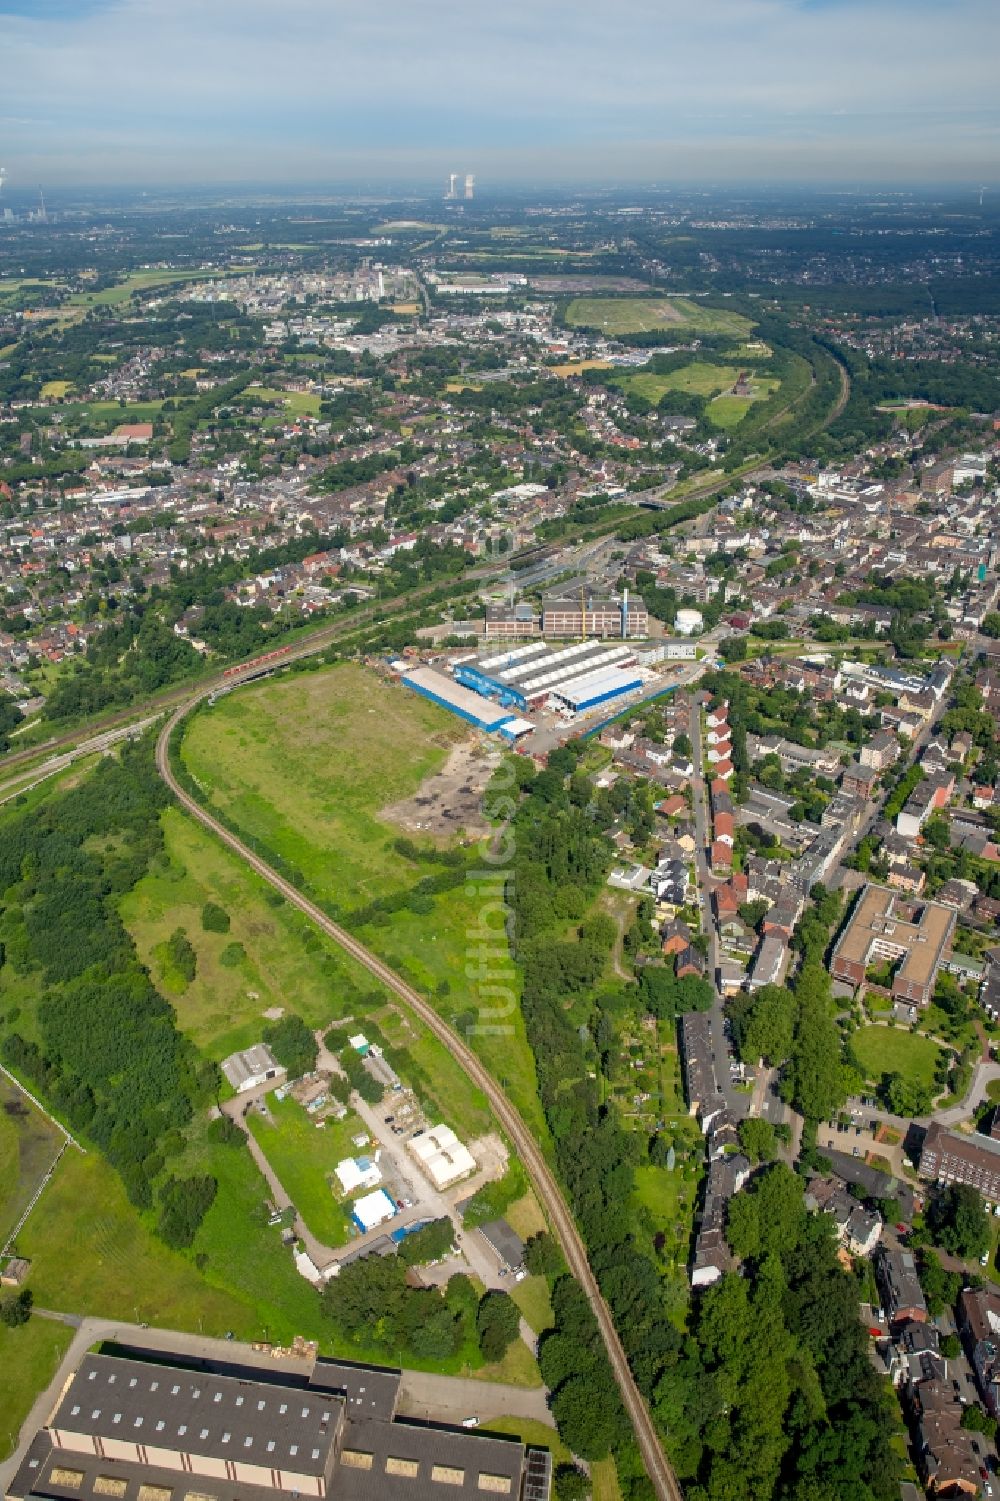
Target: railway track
{"type": "Point", "coordinates": [542, 1178]}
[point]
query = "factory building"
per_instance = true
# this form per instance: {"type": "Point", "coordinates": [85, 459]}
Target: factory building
{"type": "Point", "coordinates": [574, 678]}
{"type": "Point", "coordinates": [177, 1429]}
{"type": "Point", "coordinates": [584, 615]}
{"type": "Point", "coordinates": [473, 708]}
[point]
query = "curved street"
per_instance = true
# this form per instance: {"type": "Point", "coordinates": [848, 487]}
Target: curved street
{"type": "Point", "coordinates": [542, 1178]}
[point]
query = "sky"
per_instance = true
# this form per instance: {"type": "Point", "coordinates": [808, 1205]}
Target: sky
{"type": "Point", "coordinates": [150, 93]}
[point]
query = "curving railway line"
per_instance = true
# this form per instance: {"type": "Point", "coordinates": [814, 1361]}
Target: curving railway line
{"type": "Point", "coordinates": [543, 1180]}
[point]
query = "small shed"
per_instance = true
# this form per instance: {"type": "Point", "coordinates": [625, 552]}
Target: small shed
{"type": "Point", "coordinates": [14, 1271]}
{"type": "Point", "coordinates": [251, 1068]}
{"type": "Point", "coordinates": [506, 1245]}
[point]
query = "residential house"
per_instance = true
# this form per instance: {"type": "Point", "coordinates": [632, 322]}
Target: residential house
{"type": "Point", "coordinates": [899, 1285]}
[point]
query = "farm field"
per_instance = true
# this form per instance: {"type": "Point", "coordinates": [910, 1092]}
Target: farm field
{"type": "Point", "coordinates": [56, 389]}
{"type": "Point", "coordinates": [28, 1358]}
{"type": "Point", "coordinates": [303, 764]}
{"type": "Point", "coordinates": [634, 315]}
{"type": "Point", "coordinates": [304, 1158]}
{"type": "Point", "coordinates": [891, 1050]}
{"type": "Point", "coordinates": [574, 367]}
{"type": "Point", "coordinates": [28, 1147]}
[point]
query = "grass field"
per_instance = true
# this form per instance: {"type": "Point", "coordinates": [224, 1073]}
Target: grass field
{"type": "Point", "coordinates": [304, 1157]}
{"type": "Point", "coordinates": [92, 1254]}
{"type": "Point", "coordinates": [90, 411]}
{"type": "Point", "coordinates": [701, 379]}
{"type": "Point", "coordinates": [891, 1050]}
{"type": "Point", "coordinates": [56, 389]}
{"type": "Point", "coordinates": [298, 403]}
{"type": "Point", "coordinates": [28, 1358]}
{"type": "Point", "coordinates": [530, 1431]}
{"type": "Point", "coordinates": [604, 1478]}
{"type": "Point", "coordinates": [532, 1298]}
{"type": "Point", "coordinates": [28, 1147]}
{"type": "Point", "coordinates": [304, 764]}
{"type": "Point", "coordinates": [138, 281]}
{"type": "Point", "coordinates": [635, 315]}
{"type": "Point", "coordinates": [285, 962]}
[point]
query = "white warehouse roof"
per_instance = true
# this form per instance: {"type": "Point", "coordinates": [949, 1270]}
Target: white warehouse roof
{"type": "Point", "coordinates": [584, 690]}
{"type": "Point", "coordinates": [442, 1156]}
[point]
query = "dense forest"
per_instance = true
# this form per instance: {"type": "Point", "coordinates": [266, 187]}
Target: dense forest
{"type": "Point", "coordinates": [103, 1048]}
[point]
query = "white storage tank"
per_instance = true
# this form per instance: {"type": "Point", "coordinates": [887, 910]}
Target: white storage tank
{"type": "Point", "coordinates": [689, 622]}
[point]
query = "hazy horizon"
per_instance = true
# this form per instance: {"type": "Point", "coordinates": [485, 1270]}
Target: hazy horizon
{"type": "Point", "coordinates": [170, 92]}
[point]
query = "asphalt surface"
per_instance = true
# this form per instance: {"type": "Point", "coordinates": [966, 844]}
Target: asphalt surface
{"type": "Point", "coordinates": [543, 1180]}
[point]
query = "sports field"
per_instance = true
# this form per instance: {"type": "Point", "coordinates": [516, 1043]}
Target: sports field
{"type": "Point", "coordinates": [638, 315]}
{"type": "Point", "coordinates": [304, 764]}
{"type": "Point", "coordinates": [891, 1050]}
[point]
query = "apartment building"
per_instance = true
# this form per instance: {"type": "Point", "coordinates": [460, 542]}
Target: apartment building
{"type": "Point", "coordinates": [884, 927]}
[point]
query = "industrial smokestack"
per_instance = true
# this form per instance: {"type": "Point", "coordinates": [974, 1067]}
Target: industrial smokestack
{"type": "Point", "coordinates": [625, 615]}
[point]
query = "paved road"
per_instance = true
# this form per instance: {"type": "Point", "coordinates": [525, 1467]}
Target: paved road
{"type": "Point", "coordinates": [982, 1076]}
{"type": "Point", "coordinates": [542, 1178]}
{"type": "Point", "coordinates": [422, 1395]}
{"type": "Point", "coordinates": [452, 1398]}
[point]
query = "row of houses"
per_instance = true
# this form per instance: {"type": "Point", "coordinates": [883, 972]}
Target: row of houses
{"type": "Point", "coordinates": [948, 1455]}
